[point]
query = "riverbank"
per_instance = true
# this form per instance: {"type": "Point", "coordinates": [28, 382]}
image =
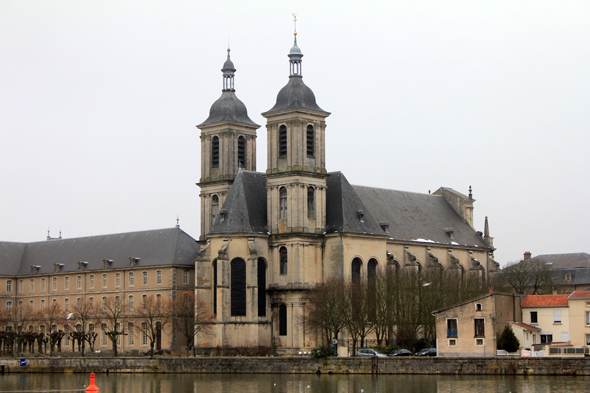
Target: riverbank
{"type": "Point", "coordinates": [302, 365]}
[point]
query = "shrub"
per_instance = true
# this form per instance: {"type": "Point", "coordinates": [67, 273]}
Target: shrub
{"type": "Point", "coordinates": [322, 352]}
{"type": "Point", "coordinates": [508, 340]}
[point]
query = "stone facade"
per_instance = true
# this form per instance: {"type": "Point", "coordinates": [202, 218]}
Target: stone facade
{"type": "Point", "coordinates": [273, 236]}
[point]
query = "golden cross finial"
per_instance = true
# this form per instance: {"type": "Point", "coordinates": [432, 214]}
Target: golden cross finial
{"type": "Point", "coordinates": [295, 22]}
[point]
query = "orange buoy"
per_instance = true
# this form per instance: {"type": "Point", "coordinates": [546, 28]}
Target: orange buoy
{"type": "Point", "coordinates": [92, 387]}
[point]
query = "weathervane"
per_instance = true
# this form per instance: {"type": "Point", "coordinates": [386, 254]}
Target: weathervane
{"type": "Point", "coordinates": [295, 23]}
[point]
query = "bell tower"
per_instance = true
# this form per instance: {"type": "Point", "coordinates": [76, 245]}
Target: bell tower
{"type": "Point", "coordinates": [228, 145]}
{"type": "Point", "coordinates": [296, 156]}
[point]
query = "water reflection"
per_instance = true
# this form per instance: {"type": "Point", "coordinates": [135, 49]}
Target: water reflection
{"type": "Point", "coordinates": [298, 383]}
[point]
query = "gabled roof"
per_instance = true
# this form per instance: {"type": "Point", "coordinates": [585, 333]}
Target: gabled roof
{"type": "Point", "coordinates": [245, 206]}
{"type": "Point", "coordinates": [170, 246]}
{"type": "Point", "coordinates": [580, 295]}
{"type": "Point", "coordinates": [525, 326]}
{"type": "Point", "coordinates": [565, 261]}
{"type": "Point", "coordinates": [344, 207]}
{"type": "Point", "coordinates": [474, 300]}
{"type": "Point", "coordinates": [545, 301]}
{"type": "Point", "coordinates": [418, 217]}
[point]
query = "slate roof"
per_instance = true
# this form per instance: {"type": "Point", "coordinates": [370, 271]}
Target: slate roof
{"type": "Point", "coordinates": [579, 276]}
{"type": "Point", "coordinates": [342, 209]}
{"type": "Point", "coordinates": [228, 108]}
{"type": "Point", "coordinates": [170, 246]}
{"type": "Point", "coordinates": [417, 217]}
{"type": "Point", "coordinates": [580, 295]}
{"type": "Point", "coordinates": [545, 301]}
{"type": "Point", "coordinates": [565, 261]}
{"type": "Point", "coordinates": [245, 206]}
{"type": "Point", "coordinates": [295, 95]}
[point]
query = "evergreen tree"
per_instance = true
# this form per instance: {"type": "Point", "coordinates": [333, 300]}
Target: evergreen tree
{"type": "Point", "coordinates": [508, 340]}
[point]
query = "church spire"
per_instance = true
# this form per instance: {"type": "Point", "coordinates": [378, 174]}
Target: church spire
{"type": "Point", "coordinates": [228, 74]}
{"type": "Point", "coordinates": [295, 55]}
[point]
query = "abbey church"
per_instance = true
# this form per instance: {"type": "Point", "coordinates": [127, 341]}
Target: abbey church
{"type": "Point", "coordinates": [267, 238]}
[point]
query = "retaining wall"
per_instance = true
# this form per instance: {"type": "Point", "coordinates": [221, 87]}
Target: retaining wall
{"type": "Point", "coordinates": [305, 365]}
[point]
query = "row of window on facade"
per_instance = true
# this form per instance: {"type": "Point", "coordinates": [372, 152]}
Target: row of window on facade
{"type": "Point", "coordinates": [130, 303]}
{"type": "Point", "coordinates": [131, 278]}
{"type": "Point", "coordinates": [310, 146]}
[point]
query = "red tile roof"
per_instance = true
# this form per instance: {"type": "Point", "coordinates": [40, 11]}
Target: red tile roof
{"type": "Point", "coordinates": [580, 295]}
{"type": "Point", "coordinates": [545, 301]}
{"type": "Point", "coordinates": [525, 326]}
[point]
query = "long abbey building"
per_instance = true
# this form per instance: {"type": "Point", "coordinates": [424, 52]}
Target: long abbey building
{"type": "Point", "coordinates": [268, 238]}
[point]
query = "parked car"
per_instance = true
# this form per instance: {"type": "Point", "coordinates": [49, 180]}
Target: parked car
{"type": "Point", "coordinates": [400, 352]}
{"type": "Point", "coordinates": [370, 352]}
{"type": "Point", "coordinates": [427, 352]}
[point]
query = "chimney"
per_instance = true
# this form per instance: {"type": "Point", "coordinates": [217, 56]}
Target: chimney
{"type": "Point", "coordinates": [527, 255]}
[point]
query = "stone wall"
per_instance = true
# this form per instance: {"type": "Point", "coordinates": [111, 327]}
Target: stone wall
{"type": "Point", "coordinates": [306, 365]}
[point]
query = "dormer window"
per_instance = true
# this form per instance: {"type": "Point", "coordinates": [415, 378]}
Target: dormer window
{"type": "Point", "coordinates": [568, 277]}
{"type": "Point", "coordinates": [57, 266]}
{"type": "Point", "coordinates": [133, 261]}
{"type": "Point", "coordinates": [106, 263]}
{"type": "Point", "coordinates": [82, 265]}
{"type": "Point", "coordinates": [361, 215]}
{"type": "Point", "coordinates": [384, 226]}
{"type": "Point", "coordinates": [35, 268]}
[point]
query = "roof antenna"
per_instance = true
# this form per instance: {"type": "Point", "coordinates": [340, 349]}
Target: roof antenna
{"type": "Point", "coordinates": [59, 233]}
{"type": "Point", "coordinates": [177, 221]}
{"type": "Point", "coordinates": [48, 234]}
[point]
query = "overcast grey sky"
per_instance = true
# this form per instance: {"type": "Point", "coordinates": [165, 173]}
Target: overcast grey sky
{"type": "Point", "coordinates": [99, 102]}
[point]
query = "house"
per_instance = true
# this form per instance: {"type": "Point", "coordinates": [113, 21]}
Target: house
{"type": "Point", "coordinates": [579, 318]}
{"type": "Point", "coordinates": [472, 328]}
{"type": "Point", "coordinates": [550, 313]}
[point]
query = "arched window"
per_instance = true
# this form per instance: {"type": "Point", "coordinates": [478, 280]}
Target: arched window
{"type": "Point", "coordinates": [261, 287]}
{"type": "Point", "coordinates": [282, 320]}
{"type": "Point", "coordinates": [215, 286]}
{"type": "Point", "coordinates": [356, 270]}
{"type": "Point", "coordinates": [310, 202]}
{"type": "Point", "coordinates": [283, 142]}
{"type": "Point", "coordinates": [310, 142]}
{"type": "Point", "coordinates": [283, 260]}
{"type": "Point", "coordinates": [215, 152]}
{"type": "Point", "coordinates": [238, 287]}
{"type": "Point", "coordinates": [214, 208]}
{"type": "Point", "coordinates": [241, 152]}
{"type": "Point", "coordinates": [371, 271]}
{"type": "Point", "coordinates": [131, 279]}
{"type": "Point", "coordinates": [131, 334]}
{"type": "Point", "coordinates": [283, 203]}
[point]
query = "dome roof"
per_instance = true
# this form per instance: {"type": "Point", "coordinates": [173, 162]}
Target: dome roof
{"type": "Point", "coordinates": [295, 95]}
{"type": "Point", "coordinates": [228, 108]}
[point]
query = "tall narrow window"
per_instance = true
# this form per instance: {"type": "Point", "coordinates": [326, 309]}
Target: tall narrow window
{"type": "Point", "coordinates": [261, 287]}
{"type": "Point", "coordinates": [310, 203]}
{"type": "Point", "coordinates": [131, 305]}
{"type": "Point", "coordinates": [310, 142]}
{"type": "Point", "coordinates": [214, 208]}
{"type": "Point", "coordinates": [356, 270]}
{"type": "Point", "coordinates": [104, 280]}
{"type": "Point", "coordinates": [159, 277]}
{"type": "Point", "coordinates": [282, 320]}
{"type": "Point", "coordinates": [215, 286]}
{"type": "Point", "coordinates": [118, 280]}
{"type": "Point", "coordinates": [32, 285]}
{"type": "Point", "coordinates": [283, 203]}
{"type": "Point", "coordinates": [91, 281]}
{"type": "Point", "coordinates": [215, 152]}
{"type": "Point", "coordinates": [241, 152]}
{"type": "Point", "coordinates": [78, 282]}
{"type": "Point", "coordinates": [130, 334]}
{"type": "Point", "coordinates": [283, 258]}
{"type": "Point", "coordinates": [9, 286]}
{"type": "Point", "coordinates": [131, 279]}
{"type": "Point", "coordinates": [185, 277]}
{"type": "Point", "coordinates": [371, 272]}
{"type": "Point", "coordinates": [42, 304]}
{"type": "Point", "coordinates": [282, 142]}
{"type": "Point", "coordinates": [452, 327]}
{"type": "Point", "coordinates": [55, 283]}
{"type": "Point", "coordinates": [145, 278]}
{"type": "Point", "coordinates": [43, 285]}
{"type": "Point", "coordinates": [67, 284]}
{"type": "Point", "coordinates": [479, 327]}
{"type": "Point", "coordinates": [238, 287]}
{"type": "Point", "coordinates": [144, 335]}
{"type": "Point", "coordinates": [67, 305]}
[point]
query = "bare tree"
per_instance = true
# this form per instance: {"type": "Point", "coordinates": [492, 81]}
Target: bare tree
{"type": "Point", "coordinates": [111, 317]}
{"type": "Point", "coordinates": [79, 320]}
{"type": "Point", "coordinates": [190, 316]}
{"type": "Point", "coordinates": [358, 317]}
{"type": "Point", "coordinates": [51, 317]}
{"type": "Point", "coordinates": [326, 309]}
{"type": "Point", "coordinates": [526, 277]}
{"type": "Point", "coordinates": [153, 317]}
